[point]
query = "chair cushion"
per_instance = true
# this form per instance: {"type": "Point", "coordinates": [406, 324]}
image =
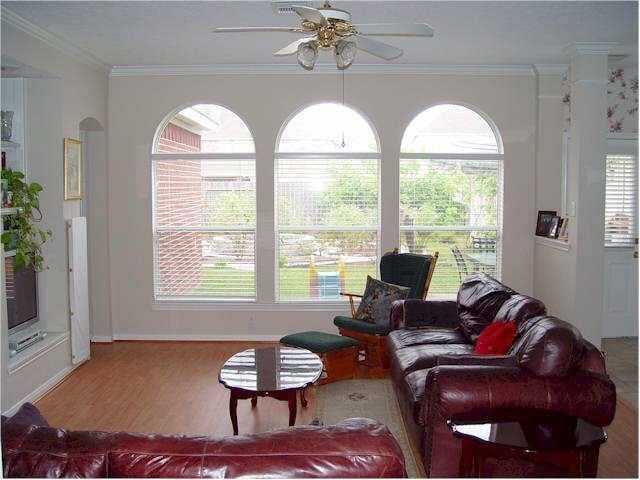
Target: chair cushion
{"type": "Point", "coordinates": [479, 298]}
{"type": "Point", "coordinates": [406, 269]}
{"type": "Point", "coordinates": [407, 360]}
{"type": "Point", "coordinates": [375, 306]}
{"type": "Point", "coordinates": [496, 338]}
{"type": "Point", "coordinates": [318, 342]}
{"type": "Point", "coordinates": [429, 335]}
{"type": "Point", "coordinates": [360, 325]}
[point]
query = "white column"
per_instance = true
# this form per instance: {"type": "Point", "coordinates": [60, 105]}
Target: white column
{"type": "Point", "coordinates": [585, 188]}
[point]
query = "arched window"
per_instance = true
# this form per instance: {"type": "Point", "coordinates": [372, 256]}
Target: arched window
{"type": "Point", "coordinates": [327, 218]}
{"type": "Point", "coordinates": [451, 193]}
{"type": "Point", "coordinates": [204, 206]}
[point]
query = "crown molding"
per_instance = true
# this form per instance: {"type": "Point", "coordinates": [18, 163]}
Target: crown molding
{"type": "Point", "coordinates": [325, 68]}
{"type": "Point", "coordinates": [550, 69]}
{"type": "Point", "coordinates": [589, 48]}
{"type": "Point", "coordinates": [51, 39]}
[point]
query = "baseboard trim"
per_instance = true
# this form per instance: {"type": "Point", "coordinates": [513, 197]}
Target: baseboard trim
{"type": "Point", "coordinates": [42, 390]}
{"type": "Point", "coordinates": [102, 339]}
{"type": "Point", "coordinates": [200, 338]}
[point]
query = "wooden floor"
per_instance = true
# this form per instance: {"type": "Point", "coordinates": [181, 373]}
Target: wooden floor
{"type": "Point", "coordinates": [172, 388]}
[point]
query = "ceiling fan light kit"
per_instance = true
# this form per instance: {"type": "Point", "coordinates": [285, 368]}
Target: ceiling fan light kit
{"type": "Point", "coordinates": [307, 55]}
{"type": "Point", "coordinates": [331, 28]}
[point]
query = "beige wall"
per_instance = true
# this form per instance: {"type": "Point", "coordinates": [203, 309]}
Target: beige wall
{"type": "Point", "coordinates": [54, 109]}
{"type": "Point", "coordinates": [138, 104]}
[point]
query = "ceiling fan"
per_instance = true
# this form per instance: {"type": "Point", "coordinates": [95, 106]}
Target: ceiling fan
{"type": "Point", "coordinates": [331, 28]}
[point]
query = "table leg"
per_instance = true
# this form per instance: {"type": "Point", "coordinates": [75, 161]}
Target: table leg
{"type": "Point", "coordinates": [293, 407]}
{"type": "Point", "coordinates": [303, 398]}
{"type": "Point", "coordinates": [233, 411]}
{"type": "Point", "coordinates": [254, 401]}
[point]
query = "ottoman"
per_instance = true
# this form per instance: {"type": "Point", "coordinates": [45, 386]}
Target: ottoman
{"type": "Point", "coordinates": [339, 354]}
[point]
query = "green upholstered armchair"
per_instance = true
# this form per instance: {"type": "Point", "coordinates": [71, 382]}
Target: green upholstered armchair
{"type": "Point", "coordinates": [405, 269]}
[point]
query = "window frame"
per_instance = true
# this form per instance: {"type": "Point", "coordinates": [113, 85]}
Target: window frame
{"type": "Point", "coordinates": [161, 302]}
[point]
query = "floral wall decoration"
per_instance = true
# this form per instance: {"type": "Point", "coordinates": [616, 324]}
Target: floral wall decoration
{"type": "Point", "coordinates": [622, 100]}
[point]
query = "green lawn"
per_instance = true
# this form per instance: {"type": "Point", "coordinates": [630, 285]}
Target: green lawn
{"type": "Point", "coordinates": [294, 281]}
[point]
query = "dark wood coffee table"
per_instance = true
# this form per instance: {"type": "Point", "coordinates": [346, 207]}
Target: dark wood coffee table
{"type": "Point", "coordinates": [564, 446]}
{"type": "Point", "coordinates": [278, 372]}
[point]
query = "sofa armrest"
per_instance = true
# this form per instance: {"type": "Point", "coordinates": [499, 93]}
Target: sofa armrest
{"type": "Point", "coordinates": [486, 392]}
{"type": "Point", "coordinates": [415, 313]}
{"type": "Point", "coordinates": [478, 360]}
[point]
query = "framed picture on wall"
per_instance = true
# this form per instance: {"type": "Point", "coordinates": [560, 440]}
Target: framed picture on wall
{"type": "Point", "coordinates": [544, 222]}
{"type": "Point", "coordinates": [72, 169]}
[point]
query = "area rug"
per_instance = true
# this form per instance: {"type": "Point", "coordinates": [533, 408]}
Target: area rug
{"type": "Point", "coordinates": [365, 398]}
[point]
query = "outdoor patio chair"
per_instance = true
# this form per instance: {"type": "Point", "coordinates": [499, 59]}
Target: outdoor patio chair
{"type": "Point", "coordinates": [405, 269]}
{"type": "Point", "coordinates": [463, 271]}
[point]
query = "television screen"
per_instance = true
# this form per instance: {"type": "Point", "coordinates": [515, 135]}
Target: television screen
{"type": "Point", "coordinates": [22, 295]}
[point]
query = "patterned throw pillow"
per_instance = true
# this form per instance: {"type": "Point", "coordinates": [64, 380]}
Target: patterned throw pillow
{"type": "Point", "coordinates": [375, 306]}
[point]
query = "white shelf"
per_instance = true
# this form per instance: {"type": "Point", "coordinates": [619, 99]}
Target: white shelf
{"type": "Point", "coordinates": [553, 243]}
{"type": "Point", "coordinates": [10, 144]}
{"type": "Point", "coordinates": [29, 354]}
{"type": "Point", "coordinates": [10, 253]}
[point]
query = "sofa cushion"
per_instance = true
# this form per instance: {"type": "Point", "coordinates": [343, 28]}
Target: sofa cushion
{"type": "Point", "coordinates": [413, 390]}
{"type": "Point", "coordinates": [27, 414]}
{"type": "Point", "coordinates": [407, 360]}
{"type": "Point", "coordinates": [496, 338]}
{"type": "Point", "coordinates": [519, 308]}
{"type": "Point", "coordinates": [479, 298]}
{"type": "Point", "coordinates": [550, 348]}
{"type": "Point", "coordinates": [428, 335]}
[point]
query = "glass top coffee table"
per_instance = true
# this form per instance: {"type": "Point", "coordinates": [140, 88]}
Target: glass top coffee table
{"type": "Point", "coordinates": [278, 372]}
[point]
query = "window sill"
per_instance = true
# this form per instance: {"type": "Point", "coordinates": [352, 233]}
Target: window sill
{"type": "Point", "coordinates": [553, 243]}
{"type": "Point", "coordinates": [250, 306]}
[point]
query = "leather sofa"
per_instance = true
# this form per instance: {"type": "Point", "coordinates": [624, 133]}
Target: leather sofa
{"type": "Point", "coordinates": [356, 447]}
{"type": "Point", "coordinates": [548, 369]}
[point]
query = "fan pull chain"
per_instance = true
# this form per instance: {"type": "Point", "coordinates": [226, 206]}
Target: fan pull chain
{"type": "Point", "coordinates": [343, 144]}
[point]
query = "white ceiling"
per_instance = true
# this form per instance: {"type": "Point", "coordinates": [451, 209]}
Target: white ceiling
{"type": "Point", "coordinates": [127, 33]}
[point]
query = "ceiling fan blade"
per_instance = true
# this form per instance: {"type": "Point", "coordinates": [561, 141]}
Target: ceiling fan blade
{"type": "Point", "coordinates": [396, 29]}
{"type": "Point", "coordinates": [256, 29]}
{"type": "Point", "coordinates": [312, 14]}
{"type": "Point", "coordinates": [292, 47]}
{"type": "Point", "coordinates": [377, 48]}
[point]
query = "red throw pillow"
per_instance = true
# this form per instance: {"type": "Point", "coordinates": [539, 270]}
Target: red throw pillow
{"type": "Point", "coordinates": [496, 338]}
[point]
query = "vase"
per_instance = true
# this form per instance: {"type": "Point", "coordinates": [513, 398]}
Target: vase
{"type": "Point", "coordinates": [7, 122]}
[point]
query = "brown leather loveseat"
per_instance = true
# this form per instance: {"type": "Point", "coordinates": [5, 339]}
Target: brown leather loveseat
{"type": "Point", "coordinates": [357, 447]}
{"type": "Point", "coordinates": [549, 368]}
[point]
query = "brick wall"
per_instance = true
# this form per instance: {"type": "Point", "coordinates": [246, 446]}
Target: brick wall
{"type": "Point", "coordinates": [179, 203]}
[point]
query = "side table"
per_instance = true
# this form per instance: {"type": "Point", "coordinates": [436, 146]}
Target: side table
{"type": "Point", "coordinates": [549, 446]}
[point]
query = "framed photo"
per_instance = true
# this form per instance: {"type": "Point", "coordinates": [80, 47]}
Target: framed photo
{"type": "Point", "coordinates": [72, 169]}
{"type": "Point", "coordinates": [564, 229]}
{"type": "Point", "coordinates": [554, 227]}
{"type": "Point", "coordinates": [544, 222]}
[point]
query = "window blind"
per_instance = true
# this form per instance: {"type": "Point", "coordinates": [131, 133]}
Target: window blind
{"type": "Point", "coordinates": [621, 201]}
{"type": "Point", "coordinates": [327, 226]}
{"type": "Point", "coordinates": [204, 208]}
{"type": "Point", "coordinates": [451, 206]}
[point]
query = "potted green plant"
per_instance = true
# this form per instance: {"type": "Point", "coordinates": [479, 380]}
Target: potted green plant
{"type": "Point", "coordinates": [20, 232]}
